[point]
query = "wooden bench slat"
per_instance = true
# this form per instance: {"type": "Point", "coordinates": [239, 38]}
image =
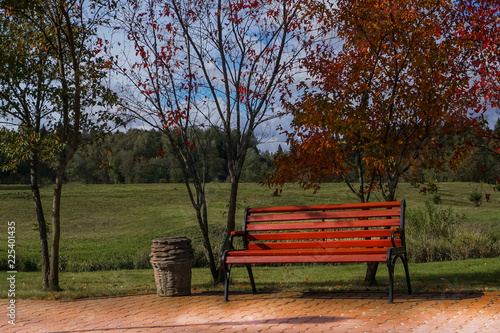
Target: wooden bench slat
{"type": "Point", "coordinates": [307, 252]}
{"type": "Point", "coordinates": [366, 205]}
{"type": "Point", "coordinates": [320, 235]}
{"type": "Point", "coordinates": [308, 259]}
{"type": "Point", "coordinates": [322, 244]}
{"type": "Point", "coordinates": [324, 215]}
{"type": "Point", "coordinates": [322, 225]}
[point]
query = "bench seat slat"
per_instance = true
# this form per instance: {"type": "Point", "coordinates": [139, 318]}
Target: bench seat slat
{"type": "Point", "coordinates": [324, 215]}
{"type": "Point", "coordinates": [307, 252]}
{"type": "Point", "coordinates": [320, 235]}
{"type": "Point", "coordinates": [306, 259]}
{"type": "Point", "coordinates": [324, 244]}
{"type": "Point", "coordinates": [322, 225]}
{"type": "Point", "coordinates": [366, 205]}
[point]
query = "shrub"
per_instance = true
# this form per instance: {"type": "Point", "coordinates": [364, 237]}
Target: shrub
{"type": "Point", "coordinates": [476, 197]}
{"type": "Point", "coordinates": [436, 198]}
{"type": "Point", "coordinates": [436, 234]}
{"type": "Point", "coordinates": [215, 233]}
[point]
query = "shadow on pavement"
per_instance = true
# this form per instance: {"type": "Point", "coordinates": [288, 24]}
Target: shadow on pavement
{"type": "Point", "coordinates": [244, 323]}
{"type": "Point", "coordinates": [401, 296]}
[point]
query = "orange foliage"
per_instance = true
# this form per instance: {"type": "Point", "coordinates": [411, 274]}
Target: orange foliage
{"type": "Point", "coordinates": [404, 80]}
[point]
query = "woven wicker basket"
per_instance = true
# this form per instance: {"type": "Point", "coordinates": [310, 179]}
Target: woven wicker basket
{"type": "Point", "coordinates": [173, 279]}
{"type": "Point", "coordinates": [172, 259]}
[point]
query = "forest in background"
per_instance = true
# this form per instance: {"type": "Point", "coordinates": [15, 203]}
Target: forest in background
{"type": "Point", "coordinates": [143, 156]}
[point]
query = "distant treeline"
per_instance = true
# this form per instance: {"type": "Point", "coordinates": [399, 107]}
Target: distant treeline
{"type": "Point", "coordinates": [143, 156]}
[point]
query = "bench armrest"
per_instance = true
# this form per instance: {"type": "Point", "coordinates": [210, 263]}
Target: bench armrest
{"type": "Point", "coordinates": [401, 233]}
{"type": "Point", "coordinates": [235, 234]}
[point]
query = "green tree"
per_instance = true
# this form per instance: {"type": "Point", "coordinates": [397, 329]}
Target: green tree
{"type": "Point", "coordinates": [89, 165]}
{"type": "Point", "coordinates": [496, 129]}
{"type": "Point", "coordinates": [50, 84]}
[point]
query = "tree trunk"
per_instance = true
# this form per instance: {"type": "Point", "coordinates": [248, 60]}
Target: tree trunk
{"type": "Point", "coordinates": [42, 225]}
{"type": "Point", "coordinates": [230, 224]}
{"type": "Point", "coordinates": [202, 217]}
{"type": "Point", "coordinates": [231, 214]}
{"type": "Point", "coordinates": [371, 271]}
{"type": "Point", "coordinates": [56, 231]}
{"type": "Point", "coordinates": [199, 203]}
{"type": "Point", "coordinates": [372, 267]}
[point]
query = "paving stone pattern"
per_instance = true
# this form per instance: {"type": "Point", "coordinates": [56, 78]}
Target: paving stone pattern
{"type": "Point", "coordinates": [268, 312]}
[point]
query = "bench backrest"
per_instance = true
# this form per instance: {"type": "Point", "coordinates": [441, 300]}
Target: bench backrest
{"type": "Point", "coordinates": [358, 225]}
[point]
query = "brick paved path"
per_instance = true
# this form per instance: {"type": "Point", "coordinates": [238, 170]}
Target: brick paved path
{"type": "Point", "coordinates": [274, 312]}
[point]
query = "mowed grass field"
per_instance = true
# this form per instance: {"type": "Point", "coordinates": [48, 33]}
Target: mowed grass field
{"type": "Point", "coordinates": [113, 225]}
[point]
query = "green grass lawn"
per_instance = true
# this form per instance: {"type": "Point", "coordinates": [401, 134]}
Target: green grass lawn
{"type": "Point", "coordinates": [476, 275]}
{"type": "Point", "coordinates": [113, 225]}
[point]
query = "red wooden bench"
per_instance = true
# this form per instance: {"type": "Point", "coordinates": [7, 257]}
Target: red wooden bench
{"type": "Point", "coordinates": [344, 233]}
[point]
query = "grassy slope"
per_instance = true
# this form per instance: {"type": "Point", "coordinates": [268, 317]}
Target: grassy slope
{"type": "Point", "coordinates": [116, 221]}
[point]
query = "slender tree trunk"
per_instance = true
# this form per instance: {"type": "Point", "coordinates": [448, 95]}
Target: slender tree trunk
{"type": "Point", "coordinates": [42, 225]}
{"type": "Point", "coordinates": [199, 203]}
{"type": "Point", "coordinates": [230, 225]}
{"type": "Point", "coordinates": [202, 216]}
{"type": "Point", "coordinates": [231, 214]}
{"type": "Point", "coordinates": [372, 267]}
{"type": "Point", "coordinates": [371, 271]}
{"type": "Point", "coordinates": [56, 231]}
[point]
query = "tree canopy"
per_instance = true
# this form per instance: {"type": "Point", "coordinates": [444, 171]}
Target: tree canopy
{"type": "Point", "coordinates": [51, 90]}
{"type": "Point", "coordinates": [404, 81]}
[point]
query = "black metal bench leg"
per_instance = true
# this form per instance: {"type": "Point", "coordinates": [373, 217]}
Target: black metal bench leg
{"type": "Point", "coordinates": [252, 281]}
{"type": "Point", "coordinates": [404, 258]}
{"type": "Point", "coordinates": [226, 287]}
{"type": "Point", "coordinates": [390, 266]}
